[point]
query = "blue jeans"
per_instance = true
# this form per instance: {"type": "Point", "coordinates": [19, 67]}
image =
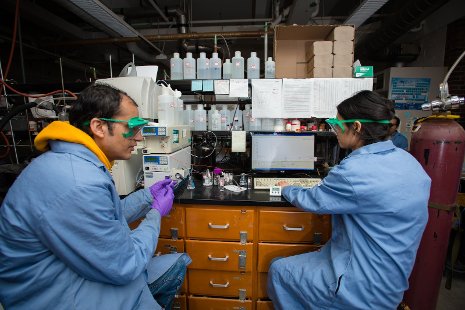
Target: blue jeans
{"type": "Point", "coordinates": [165, 287]}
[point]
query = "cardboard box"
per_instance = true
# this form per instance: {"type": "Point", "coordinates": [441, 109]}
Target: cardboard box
{"type": "Point", "coordinates": [313, 48]}
{"type": "Point", "coordinates": [343, 47]}
{"type": "Point", "coordinates": [343, 60]}
{"type": "Point", "coordinates": [321, 61]}
{"type": "Point", "coordinates": [319, 72]}
{"type": "Point", "coordinates": [289, 47]}
{"type": "Point", "coordinates": [342, 72]}
{"type": "Point", "coordinates": [342, 33]}
{"type": "Point", "coordinates": [363, 71]}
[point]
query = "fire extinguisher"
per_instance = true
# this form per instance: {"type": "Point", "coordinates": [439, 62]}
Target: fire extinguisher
{"type": "Point", "coordinates": [439, 146]}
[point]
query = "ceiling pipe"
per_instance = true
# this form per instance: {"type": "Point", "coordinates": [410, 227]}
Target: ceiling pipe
{"type": "Point", "coordinates": [101, 17]}
{"type": "Point", "coordinates": [183, 29]}
{"type": "Point", "coordinates": [157, 8]}
{"type": "Point", "coordinates": [166, 37]}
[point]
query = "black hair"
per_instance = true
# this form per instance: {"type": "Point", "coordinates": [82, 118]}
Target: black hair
{"type": "Point", "coordinates": [367, 104]}
{"type": "Point", "coordinates": [97, 100]}
{"type": "Point", "coordinates": [397, 121]}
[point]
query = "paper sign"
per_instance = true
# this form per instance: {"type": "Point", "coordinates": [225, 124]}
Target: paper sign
{"type": "Point", "coordinates": [238, 88]}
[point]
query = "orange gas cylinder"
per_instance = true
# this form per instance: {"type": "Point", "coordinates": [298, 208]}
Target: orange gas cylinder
{"type": "Point", "coordinates": [439, 146]}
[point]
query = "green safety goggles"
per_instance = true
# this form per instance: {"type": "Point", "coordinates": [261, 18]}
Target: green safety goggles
{"type": "Point", "coordinates": [135, 125]}
{"type": "Point", "coordinates": [338, 124]}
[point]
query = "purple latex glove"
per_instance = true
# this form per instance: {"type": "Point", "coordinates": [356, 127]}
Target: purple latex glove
{"type": "Point", "coordinates": [163, 196]}
{"type": "Point", "coordinates": [157, 188]}
{"type": "Point", "coordinates": [163, 201]}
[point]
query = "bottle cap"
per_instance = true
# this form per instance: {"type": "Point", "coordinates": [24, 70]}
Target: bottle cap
{"type": "Point", "coordinates": [227, 60]}
{"type": "Point", "coordinates": [270, 59]}
{"type": "Point", "coordinates": [176, 55]}
{"type": "Point", "coordinates": [253, 54]}
{"type": "Point", "coordinates": [189, 55]}
{"type": "Point", "coordinates": [203, 55]}
{"type": "Point", "coordinates": [214, 55]}
{"type": "Point", "coordinates": [217, 171]}
{"type": "Point", "coordinates": [238, 54]}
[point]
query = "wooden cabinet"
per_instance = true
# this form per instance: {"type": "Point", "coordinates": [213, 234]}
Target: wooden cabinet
{"type": "Point", "coordinates": [285, 233]}
{"type": "Point", "coordinates": [219, 239]}
{"type": "Point", "coordinates": [232, 247]}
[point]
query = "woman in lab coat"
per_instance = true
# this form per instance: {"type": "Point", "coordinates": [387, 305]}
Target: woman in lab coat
{"type": "Point", "coordinates": [378, 197]}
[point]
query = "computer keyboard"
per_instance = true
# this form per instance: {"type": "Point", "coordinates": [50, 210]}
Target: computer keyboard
{"type": "Point", "coordinates": [266, 183]}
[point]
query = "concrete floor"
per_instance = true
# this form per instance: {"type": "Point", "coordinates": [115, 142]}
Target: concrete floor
{"type": "Point", "coordinates": [453, 299]}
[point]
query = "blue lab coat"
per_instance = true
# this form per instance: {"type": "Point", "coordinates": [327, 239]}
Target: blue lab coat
{"type": "Point", "coordinates": [64, 238]}
{"type": "Point", "coordinates": [378, 199]}
{"type": "Point", "coordinates": [400, 140]}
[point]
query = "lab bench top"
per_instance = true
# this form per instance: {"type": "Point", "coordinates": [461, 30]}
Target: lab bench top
{"type": "Point", "coordinates": [211, 195]}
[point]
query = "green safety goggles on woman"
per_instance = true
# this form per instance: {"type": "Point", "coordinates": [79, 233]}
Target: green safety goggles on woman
{"type": "Point", "coordinates": [338, 124]}
{"type": "Point", "coordinates": [135, 124]}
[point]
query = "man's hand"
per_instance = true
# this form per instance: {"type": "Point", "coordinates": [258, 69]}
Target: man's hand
{"type": "Point", "coordinates": [163, 196]}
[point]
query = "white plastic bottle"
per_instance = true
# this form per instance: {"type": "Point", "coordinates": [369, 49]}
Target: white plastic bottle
{"type": "Point", "coordinates": [224, 117]}
{"type": "Point", "coordinates": [176, 67]}
{"type": "Point", "coordinates": [255, 124]}
{"type": "Point", "coordinates": [247, 113]}
{"type": "Point", "coordinates": [215, 121]}
{"type": "Point", "coordinates": [189, 116]}
{"type": "Point", "coordinates": [200, 118]}
{"type": "Point", "coordinates": [189, 67]}
{"type": "Point", "coordinates": [179, 107]}
{"type": "Point", "coordinates": [253, 66]}
{"type": "Point", "coordinates": [237, 71]}
{"type": "Point", "coordinates": [203, 67]}
{"type": "Point", "coordinates": [215, 67]}
{"type": "Point", "coordinates": [269, 69]}
{"type": "Point", "coordinates": [267, 124]}
{"type": "Point", "coordinates": [227, 68]}
{"type": "Point", "coordinates": [165, 107]}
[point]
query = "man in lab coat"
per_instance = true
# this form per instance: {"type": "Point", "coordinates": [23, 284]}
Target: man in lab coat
{"type": "Point", "coordinates": [397, 138]}
{"type": "Point", "coordinates": [64, 236]}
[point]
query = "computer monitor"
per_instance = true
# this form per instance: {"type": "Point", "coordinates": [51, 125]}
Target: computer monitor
{"type": "Point", "coordinates": [276, 152]}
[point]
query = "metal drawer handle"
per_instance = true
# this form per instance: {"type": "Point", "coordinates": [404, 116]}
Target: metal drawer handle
{"type": "Point", "coordinates": [218, 226]}
{"type": "Point", "coordinates": [218, 259]}
{"type": "Point", "coordinates": [219, 285]}
{"type": "Point", "coordinates": [287, 228]}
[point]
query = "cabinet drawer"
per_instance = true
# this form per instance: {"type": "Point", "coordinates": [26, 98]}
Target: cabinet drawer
{"type": "Point", "coordinates": [264, 305]}
{"type": "Point", "coordinates": [262, 283]}
{"type": "Point", "coordinates": [167, 246]}
{"type": "Point", "coordinates": [268, 251]}
{"type": "Point", "coordinates": [172, 225]}
{"type": "Point", "coordinates": [220, 283]}
{"type": "Point", "coordinates": [180, 302]}
{"type": "Point", "coordinates": [206, 303]}
{"type": "Point", "coordinates": [216, 255]}
{"type": "Point", "coordinates": [282, 226]}
{"type": "Point", "coordinates": [219, 224]}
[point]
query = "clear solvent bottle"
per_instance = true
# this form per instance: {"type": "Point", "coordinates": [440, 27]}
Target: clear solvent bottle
{"type": "Point", "coordinates": [189, 67]}
{"type": "Point", "coordinates": [200, 118]}
{"type": "Point", "coordinates": [227, 68]}
{"type": "Point", "coordinates": [215, 67]}
{"type": "Point", "coordinates": [237, 71]}
{"type": "Point", "coordinates": [253, 66]}
{"type": "Point", "coordinates": [270, 69]}
{"type": "Point", "coordinates": [189, 116]}
{"type": "Point", "coordinates": [203, 67]}
{"type": "Point", "coordinates": [176, 65]}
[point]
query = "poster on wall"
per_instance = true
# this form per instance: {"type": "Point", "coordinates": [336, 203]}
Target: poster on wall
{"type": "Point", "coordinates": [409, 93]}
